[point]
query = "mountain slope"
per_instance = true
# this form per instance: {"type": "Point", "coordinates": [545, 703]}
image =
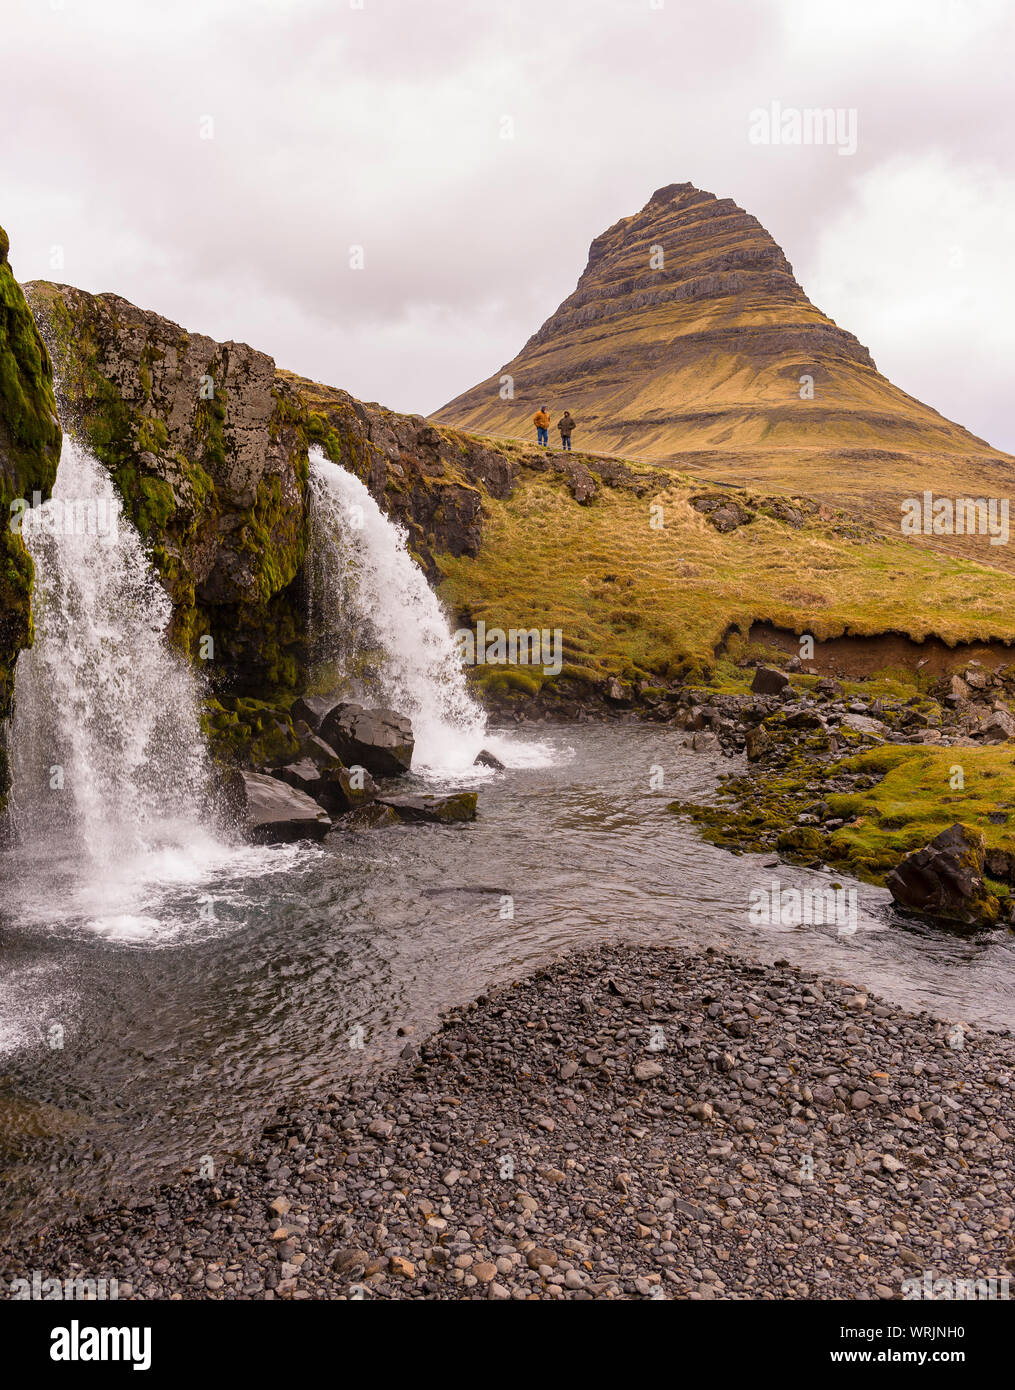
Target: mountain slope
{"type": "Point", "coordinates": [688, 340]}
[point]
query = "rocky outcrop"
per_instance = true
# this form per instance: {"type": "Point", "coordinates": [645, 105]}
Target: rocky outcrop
{"type": "Point", "coordinates": [208, 450]}
{"type": "Point", "coordinates": [29, 453]}
{"type": "Point", "coordinates": [944, 880]}
{"type": "Point", "coordinates": [433, 481]}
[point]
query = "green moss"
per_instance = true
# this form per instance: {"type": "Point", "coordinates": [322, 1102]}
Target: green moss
{"type": "Point", "coordinates": [251, 733]}
{"type": "Point", "coordinates": [29, 453]}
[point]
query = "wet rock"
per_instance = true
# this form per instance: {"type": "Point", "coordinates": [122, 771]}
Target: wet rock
{"type": "Point", "coordinates": [944, 880]}
{"type": "Point", "coordinates": [371, 817]}
{"type": "Point", "coordinates": [338, 789]}
{"type": "Point", "coordinates": [768, 682]}
{"type": "Point", "coordinates": [272, 812]}
{"type": "Point", "coordinates": [440, 810]}
{"type": "Point", "coordinates": [378, 739]}
{"type": "Point", "coordinates": [313, 747]}
{"type": "Point", "coordinates": [484, 758]}
{"type": "Point", "coordinates": [312, 709]}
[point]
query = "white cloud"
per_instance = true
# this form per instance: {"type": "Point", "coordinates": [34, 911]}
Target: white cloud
{"type": "Point", "coordinates": [381, 126]}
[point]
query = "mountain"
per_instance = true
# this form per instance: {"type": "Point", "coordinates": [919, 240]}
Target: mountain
{"type": "Point", "coordinates": [689, 341]}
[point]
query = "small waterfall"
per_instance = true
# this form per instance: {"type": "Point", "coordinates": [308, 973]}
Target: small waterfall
{"type": "Point", "coordinates": [377, 627]}
{"type": "Point", "coordinates": [110, 772]}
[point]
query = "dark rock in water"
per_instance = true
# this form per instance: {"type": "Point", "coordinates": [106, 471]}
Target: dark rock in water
{"type": "Point", "coordinates": [945, 879]}
{"type": "Point", "coordinates": [273, 812]}
{"type": "Point", "coordinates": [768, 682]}
{"type": "Point", "coordinates": [443, 810]}
{"type": "Point", "coordinates": [462, 888]}
{"type": "Point", "coordinates": [304, 775]}
{"type": "Point", "coordinates": [378, 739]}
{"type": "Point", "coordinates": [313, 709]}
{"type": "Point", "coordinates": [371, 817]}
{"type": "Point", "coordinates": [346, 788]}
{"type": "Point", "coordinates": [333, 786]}
{"type": "Point", "coordinates": [484, 758]}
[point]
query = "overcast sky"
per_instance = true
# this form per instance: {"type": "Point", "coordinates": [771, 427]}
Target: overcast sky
{"type": "Point", "coordinates": [381, 124]}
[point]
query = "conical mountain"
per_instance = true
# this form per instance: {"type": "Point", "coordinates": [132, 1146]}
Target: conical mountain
{"type": "Point", "coordinates": [688, 339]}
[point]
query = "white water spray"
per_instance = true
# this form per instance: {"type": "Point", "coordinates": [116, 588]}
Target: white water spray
{"type": "Point", "coordinates": [110, 771]}
{"type": "Point", "coordinates": [378, 625]}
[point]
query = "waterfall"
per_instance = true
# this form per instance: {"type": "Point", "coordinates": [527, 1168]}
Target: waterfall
{"type": "Point", "coordinates": [110, 772]}
{"type": "Point", "coordinates": [378, 631]}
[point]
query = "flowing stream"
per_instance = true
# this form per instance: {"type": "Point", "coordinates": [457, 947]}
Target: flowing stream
{"type": "Point", "coordinates": [163, 988]}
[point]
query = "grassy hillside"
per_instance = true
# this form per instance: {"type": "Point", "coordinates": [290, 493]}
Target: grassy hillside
{"type": "Point", "coordinates": [633, 600]}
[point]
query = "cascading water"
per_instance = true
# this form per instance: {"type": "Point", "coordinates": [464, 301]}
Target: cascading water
{"type": "Point", "coordinates": [378, 626]}
{"type": "Point", "coordinates": [110, 772]}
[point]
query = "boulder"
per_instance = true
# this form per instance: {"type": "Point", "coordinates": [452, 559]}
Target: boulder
{"type": "Point", "coordinates": [371, 817]}
{"type": "Point", "coordinates": [616, 692]}
{"type": "Point", "coordinates": [346, 789]}
{"type": "Point", "coordinates": [333, 786]}
{"type": "Point", "coordinates": [378, 739]}
{"type": "Point", "coordinates": [484, 758]}
{"type": "Point", "coordinates": [440, 810]}
{"type": "Point", "coordinates": [998, 726]}
{"type": "Point", "coordinates": [758, 741]}
{"type": "Point", "coordinates": [945, 879]}
{"type": "Point", "coordinates": [864, 724]}
{"type": "Point", "coordinates": [313, 709]}
{"type": "Point", "coordinates": [768, 682]}
{"type": "Point", "coordinates": [315, 748]}
{"type": "Point", "coordinates": [958, 690]}
{"type": "Point", "coordinates": [273, 812]}
{"type": "Point", "coordinates": [304, 775]}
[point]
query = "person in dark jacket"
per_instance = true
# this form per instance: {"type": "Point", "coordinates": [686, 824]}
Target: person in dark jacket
{"type": "Point", "coordinates": [565, 424]}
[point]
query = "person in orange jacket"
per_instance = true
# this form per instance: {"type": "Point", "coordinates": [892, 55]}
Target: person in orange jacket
{"type": "Point", "coordinates": [541, 420]}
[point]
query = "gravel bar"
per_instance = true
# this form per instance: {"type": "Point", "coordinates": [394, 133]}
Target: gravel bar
{"type": "Point", "coordinates": [626, 1123]}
